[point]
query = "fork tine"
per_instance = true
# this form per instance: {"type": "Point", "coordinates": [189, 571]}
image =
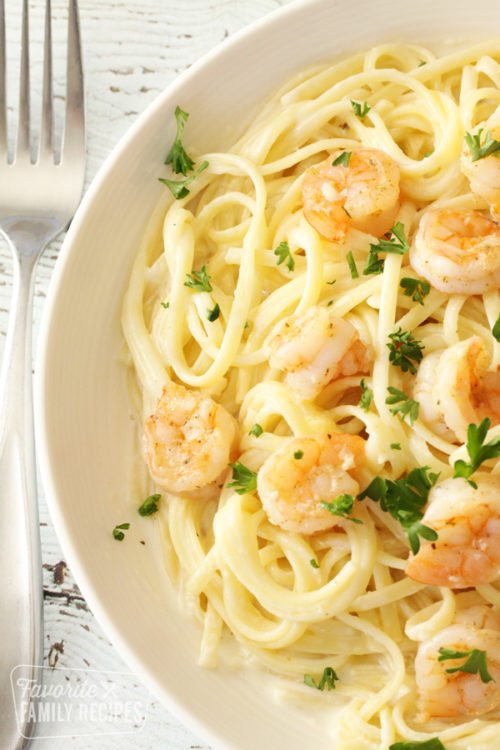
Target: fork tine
{"type": "Point", "coordinates": [74, 126]}
{"type": "Point", "coordinates": [3, 95]}
{"type": "Point", "coordinates": [46, 147]}
{"type": "Point", "coordinates": [23, 132]}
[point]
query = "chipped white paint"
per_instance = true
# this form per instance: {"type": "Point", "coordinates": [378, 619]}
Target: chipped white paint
{"type": "Point", "coordinates": [132, 50]}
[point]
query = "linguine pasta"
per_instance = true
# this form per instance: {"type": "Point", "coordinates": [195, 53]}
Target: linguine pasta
{"type": "Point", "coordinates": [299, 603]}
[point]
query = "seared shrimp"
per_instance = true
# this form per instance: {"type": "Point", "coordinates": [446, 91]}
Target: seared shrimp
{"type": "Point", "coordinates": [455, 388]}
{"type": "Point", "coordinates": [294, 480]}
{"type": "Point", "coordinates": [467, 521]}
{"type": "Point", "coordinates": [458, 252]}
{"type": "Point", "coordinates": [188, 440]}
{"type": "Point", "coordinates": [459, 693]}
{"type": "Point", "coordinates": [484, 173]}
{"type": "Point", "coordinates": [314, 349]}
{"type": "Point", "coordinates": [364, 194]}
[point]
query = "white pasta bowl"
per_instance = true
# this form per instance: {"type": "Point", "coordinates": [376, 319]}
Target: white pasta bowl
{"type": "Point", "coordinates": [84, 429]}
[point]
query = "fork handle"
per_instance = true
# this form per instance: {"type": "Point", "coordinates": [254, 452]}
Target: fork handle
{"type": "Point", "coordinates": [21, 600]}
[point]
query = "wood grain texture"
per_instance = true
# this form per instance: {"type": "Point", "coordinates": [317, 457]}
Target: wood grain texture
{"type": "Point", "coordinates": [132, 50]}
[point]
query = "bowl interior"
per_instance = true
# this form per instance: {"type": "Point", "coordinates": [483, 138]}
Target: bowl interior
{"type": "Point", "coordinates": [81, 395]}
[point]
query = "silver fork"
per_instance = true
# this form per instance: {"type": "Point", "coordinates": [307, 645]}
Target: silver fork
{"type": "Point", "coordinates": [37, 201]}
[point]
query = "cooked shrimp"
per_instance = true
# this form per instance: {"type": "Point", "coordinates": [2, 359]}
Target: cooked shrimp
{"type": "Point", "coordinates": [188, 440]}
{"type": "Point", "coordinates": [484, 173]}
{"type": "Point", "coordinates": [314, 349]}
{"type": "Point", "coordinates": [364, 194]}
{"type": "Point", "coordinates": [455, 388]}
{"type": "Point", "coordinates": [467, 521]}
{"type": "Point", "coordinates": [458, 252]}
{"type": "Point", "coordinates": [459, 693]}
{"type": "Point", "coordinates": [478, 616]}
{"type": "Point", "coordinates": [294, 480]}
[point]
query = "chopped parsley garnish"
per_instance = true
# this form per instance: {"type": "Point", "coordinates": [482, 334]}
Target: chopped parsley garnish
{"type": "Point", "coordinates": [374, 264]}
{"type": "Point", "coordinates": [397, 244]}
{"type": "Point", "coordinates": [327, 680]}
{"type": "Point", "coordinates": [341, 506]}
{"type": "Point", "coordinates": [331, 283]}
{"type": "Point", "coordinates": [396, 446]}
{"type": "Point", "coordinates": [177, 156]}
{"type": "Point", "coordinates": [352, 265]}
{"type": "Point", "coordinates": [406, 405]}
{"type": "Point", "coordinates": [283, 253]}
{"type": "Point", "coordinates": [366, 396]}
{"type": "Point", "coordinates": [360, 109]}
{"type": "Point", "coordinates": [405, 500]}
{"type": "Point", "coordinates": [149, 506]}
{"type": "Point", "coordinates": [256, 430]}
{"type": "Point", "coordinates": [404, 350]}
{"type": "Point", "coordinates": [432, 744]}
{"type": "Point", "coordinates": [417, 289]}
{"type": "Point", "coordinates": [496, 329]}
{"type": "Point", "coordinates": [313, 563]}
{"type": "Point", "coordinates": [298, 455]}
{"type": "Point", "coordinates": [476, 450]}
{"type": "Point", "coordinates": [478, 150]}
{"type": "Point", "coordinates": [245, 480]}
{"type": "Point", "coordinates": [178, 187]}
{"type": "Point", "coordinates": [475, 662]}
{"type": "Point", "coordinates": [166, 305]}
{"type": "Point", "coordinates": [118, 533]}
{"type": "Point", "coordinates": [214, 313]}
{"type": "Point", "coordinates": [342, 160]}
{"type": "Point", "coordinates": [199, 280]}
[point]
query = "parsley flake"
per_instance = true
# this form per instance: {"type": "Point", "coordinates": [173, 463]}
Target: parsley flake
{"type": "Point", "coordinates": [352, 265]}
{"type": "Point", "coordinates": [366, 396]}
{"type": "Point", "coordinates": [214, 313]}
{"type": "Point", "coordinates": [396, 446]}
{"type": "Point", "coordinates": [432, 744]}
{"type": "Point", "coordinates": [177, 156]}
{"type": "Point", "coordinates": [417, 289]}
{"type": "Point", "coordinates": [149, 506]}
{"type": "Point", "coordinates": [360, 109]}
{"type": "Point", "coordinates": [406, 405]}
{"type": "Point", "coordinates": [496, 329]}
{"type": "Point", "coordinates": [342, 160]}
{"type": "Point", "coordinates": [405, 500]}
{"type": "Point", "coordinates": [178, 187]}
{"type": "Point", "coordinates": [404, 350]}
{"type": "Point", "coordinates": [313, 563]}
{"type": "Point", "coordinates": [199, 280]}
{"type": "Point", "coordinates": [245, 480]}
{"type": "Point", "coordinates": [327, 680]}
{"type": "Point", "coordinates": [256, 430]}
{"type": "Point", "coordinates": [475, 663]}
{"type": "Point", "coordinates": [283, 253]}
{"type": "Point", "coordinates": [478, 151]}
{"type": "Point", "coordinates": [341, 506]}
{"type": "Point", "coordinates": [166, 305]}
{"type": "Point", "coordinates": [397, 243]}
{"type": "Point", "coordinates": [477, 451]}
{"type": "Point", "coordinates": [118, 534]}
{"type": "Point", "coordinates": [298, 455]}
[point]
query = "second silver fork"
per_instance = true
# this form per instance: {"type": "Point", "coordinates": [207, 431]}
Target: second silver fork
{"type": "Point", "coordinates": [37, 201]}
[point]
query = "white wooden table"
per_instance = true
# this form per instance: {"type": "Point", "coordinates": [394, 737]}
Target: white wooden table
{"type": "Point", "coordinates": [132, 50]}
